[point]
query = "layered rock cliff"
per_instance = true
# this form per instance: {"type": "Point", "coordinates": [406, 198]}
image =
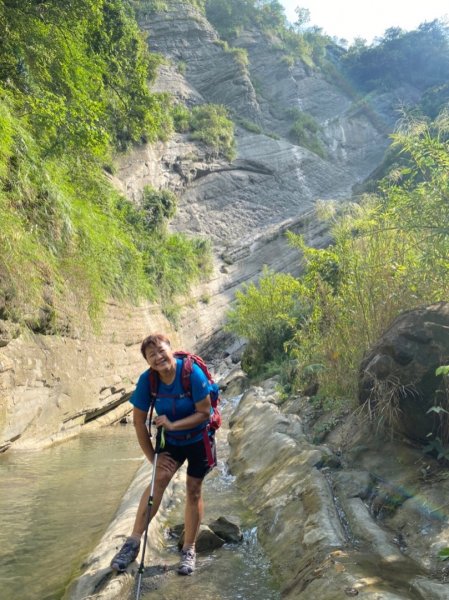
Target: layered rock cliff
{"type": "Point", "coordinates": [52, 386]}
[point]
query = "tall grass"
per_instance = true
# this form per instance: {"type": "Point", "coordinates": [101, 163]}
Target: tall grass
{"type": "Point", "coordinates": [66, 237]}
{"type": "Point", "coordinates": [389, 254]}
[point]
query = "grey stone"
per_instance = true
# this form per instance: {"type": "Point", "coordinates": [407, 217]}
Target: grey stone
{"type": "Point", "coordinates": [401, 366]}
{"type": "Point", "coordinates": [226, 530]}
{"type": "Point", "coordinates": [206, 541]}
{"type": "Point", "coordinates": [351, 483]}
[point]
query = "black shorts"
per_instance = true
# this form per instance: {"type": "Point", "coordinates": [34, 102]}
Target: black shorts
{"type": "Point", "coordinates": [197, 463]}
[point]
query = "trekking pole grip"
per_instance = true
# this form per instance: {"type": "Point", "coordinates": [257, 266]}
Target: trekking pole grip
{"type": "Point", "coordinates": [160, 440]}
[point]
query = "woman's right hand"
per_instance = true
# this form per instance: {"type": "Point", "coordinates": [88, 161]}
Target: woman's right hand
{"type": "Point", "coordinates": [167, 463]}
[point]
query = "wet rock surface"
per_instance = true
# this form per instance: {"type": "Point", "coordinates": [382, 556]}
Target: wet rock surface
{"type": "Point", "coordinates": [371, 528]}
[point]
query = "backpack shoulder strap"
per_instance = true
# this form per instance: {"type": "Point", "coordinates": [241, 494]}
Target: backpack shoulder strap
{"type": "Point", "coordinates": [154, 382]}
{"type": "Point", "coordinates": [186, 369]}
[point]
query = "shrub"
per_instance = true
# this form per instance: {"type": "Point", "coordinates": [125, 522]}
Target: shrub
{"type": "Point", "coordinates": [175, 261]}
{"type": "Point", "coordinates": [266, 315]}
{"type": "Point", "coordinates": [181, 118]}
{"type": "Point", "coordinates": [158, 206]}
{"type": "Point", "coordinates": [304, 132]}
{"type": "Point", "coordinates": [211, 125]}
{"type": "Point", "coordinates": [250, 126]}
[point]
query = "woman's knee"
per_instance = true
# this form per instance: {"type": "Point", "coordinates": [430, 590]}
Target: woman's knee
{"type": "Point", "coordinates": [194, 489]}
{"type": "Point", "coordinates": [163, 478]}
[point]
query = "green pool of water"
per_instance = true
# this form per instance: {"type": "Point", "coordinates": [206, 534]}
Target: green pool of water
{"type": "Point", "coordinates": [55, 505]}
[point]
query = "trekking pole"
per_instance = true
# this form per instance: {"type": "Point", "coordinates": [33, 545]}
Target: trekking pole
{"type": "Point", "coordinates": [160, 443]}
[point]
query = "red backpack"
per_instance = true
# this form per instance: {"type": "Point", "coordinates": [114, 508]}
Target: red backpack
{"type": "Point", "coordinates": [188, 360]}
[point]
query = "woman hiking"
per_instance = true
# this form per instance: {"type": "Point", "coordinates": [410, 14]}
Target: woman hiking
{"type": "Point", "coordinates": [184, 419]}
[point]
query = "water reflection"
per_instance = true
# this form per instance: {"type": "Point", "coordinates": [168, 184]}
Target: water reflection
{"type": "Point", "coordinates": [55, 504]}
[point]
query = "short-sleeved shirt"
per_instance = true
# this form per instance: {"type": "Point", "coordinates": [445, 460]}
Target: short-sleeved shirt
{"type": "Point", "coordinates": [173, 402]}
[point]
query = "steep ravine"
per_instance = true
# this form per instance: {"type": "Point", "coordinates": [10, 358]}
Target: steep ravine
{"type": "Point", "coordinates": [51, 386]}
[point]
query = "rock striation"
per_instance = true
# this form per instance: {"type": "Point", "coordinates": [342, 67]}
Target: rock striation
{"type": "Point", "coordinates": [52, 386]}
{"type": "Point", "coordinates": [353, 528]}
{"type": "Point", "coordinates": [271, 180]}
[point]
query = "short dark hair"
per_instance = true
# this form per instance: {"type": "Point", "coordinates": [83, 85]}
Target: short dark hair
{"type": "Point", "coordinates": [153, 340]}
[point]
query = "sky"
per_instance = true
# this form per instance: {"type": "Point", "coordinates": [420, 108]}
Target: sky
{"type": "Point", "coordinates": [349, 19]}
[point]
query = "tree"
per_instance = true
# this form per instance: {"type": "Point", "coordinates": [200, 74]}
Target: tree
{"type": "Point", "coordinates": [302, 18]}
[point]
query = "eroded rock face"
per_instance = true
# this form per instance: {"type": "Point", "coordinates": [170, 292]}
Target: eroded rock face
{"type": "Point", "coordinates": [184, 35]}
{"type": "Point", "coordinates": [51, 386]}
{"type": "Point", "coordinates": [274, 464]}
{"type": "Point", "coordinates": [370, 528]}
{"type": "Point", "coordinates": [271, 180]}
{"type": "Point", "coordinates": [400, 370]}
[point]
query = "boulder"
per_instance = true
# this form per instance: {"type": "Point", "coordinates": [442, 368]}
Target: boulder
{"type": "Point", "coordinates": [206, 541]}
{"type": "Point", "coordinates": [397, 376]}
{"type": "Point", "coordinates": [212, 536]}
{"type": "Point", "coordinates": [235, 383]}
{"type": "Point", "coordinates": [226, 530]}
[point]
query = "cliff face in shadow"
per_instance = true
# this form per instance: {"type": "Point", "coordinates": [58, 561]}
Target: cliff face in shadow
{"type": "Point", "coordinates": [52, 386]}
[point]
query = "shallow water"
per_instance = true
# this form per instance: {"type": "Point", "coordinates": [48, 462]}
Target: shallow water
{"type": "Point", "coordinates": [55, 505]}
{"type": "Point", "coordinates": [233, 572]}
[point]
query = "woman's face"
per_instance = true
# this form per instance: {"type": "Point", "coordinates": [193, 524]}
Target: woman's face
{"type": "Point", "coordinates": [159, 356]}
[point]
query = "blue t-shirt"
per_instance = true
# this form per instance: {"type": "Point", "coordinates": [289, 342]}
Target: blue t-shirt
{"type": "Point", "coordinates": [173, 402]}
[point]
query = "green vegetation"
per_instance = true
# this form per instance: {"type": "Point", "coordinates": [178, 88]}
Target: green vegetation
{"type": "Point", "coordinates": [443, 554]}
{"type": "Point", "coordinates": [79, 70]}
{"type": "Point", "coordinates": [181, 118]}
{"type": "Point", "coordinates": [267, 315]}
{"type": "Point", "coordinates": [158, 206]}
{"type": "Point", "coordinates": [304, 131]}
{"type": "Point", "coordinates": [240, 55]}
{"type": "Point", "coordinates": [208, 123]}
{"type": "Point", "coordinates": [419, 58]}
{"type": "Point", "coordinates": [211, 125]}
{"type": "Point", "coordinates": [144, 8]}
{"type": "Point", "coordinates": [74, 90]}
{"type": "Point", "coordinates": [230, 17]}
{"type": "Point", "coordinates": [249, 125]}
{"type": "Point", "coordinates": [389, 254]}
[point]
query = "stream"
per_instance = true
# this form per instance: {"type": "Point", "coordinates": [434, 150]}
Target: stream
{"type": "Point", "coordinates": [232, 572]}
{"type": "Point", "coordinates": [56, 504]}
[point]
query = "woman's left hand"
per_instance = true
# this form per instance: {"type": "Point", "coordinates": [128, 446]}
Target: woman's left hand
{"type": "Point", "coordinates": [163, 421]}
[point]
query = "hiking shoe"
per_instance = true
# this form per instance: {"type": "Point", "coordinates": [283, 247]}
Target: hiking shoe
{"type": "Point", "coordinates": [187, 564]}
{"type": "Point", "coordinates": [126, 555]}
